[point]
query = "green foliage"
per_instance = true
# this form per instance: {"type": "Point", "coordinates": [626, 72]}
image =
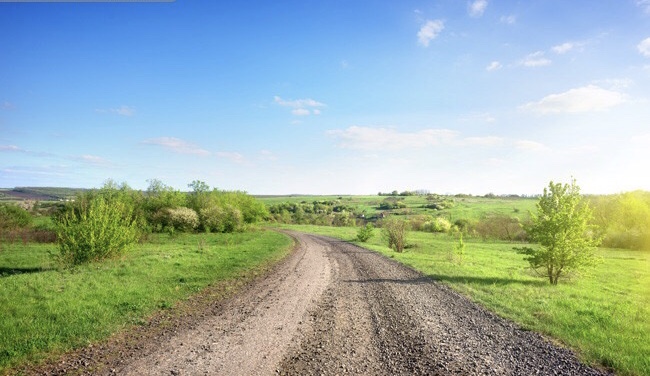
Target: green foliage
{"type": "Point", "coordinates": [624, 219]}
{"type": "Point", "coordinates": [392, 203]}
{"type": "Point", "coordinates": [394, 232]}
{"type": "Point", "coordinates": [561, 226]}
{"type": "Point", "coordinates": [438, 224]}
{"type": "Point", "coordinates": [183, 219]}
{"type": "Point", "coordinates": [500, 227]}
{"type": "Point", "coordinates": [96, 227]}
{"type": "Point", "coordinates": [226, 218]}
{"type": "Point", "coordinates": [13, 217]}
{"type": "Point", "coordinates": [365, 233]}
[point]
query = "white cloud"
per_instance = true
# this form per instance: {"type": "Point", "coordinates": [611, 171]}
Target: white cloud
{"type": "Point", "coordinates": [367, 138]}
{"type": "Point", "coordinates": [430, 31]}
{"type": "Point", "coordinates": [582, 99]}
{"type": "Point", "coordinates": [511, 19]}
{"type": "Point", "coordinates": [495, 65]}
{"type": "Point", "coordinates": [536, 59]}
{"type": "Point", "coordinates": [301, 107]}
{"type": "Point", "coordinates": [6, 105]}
{"type": "Point", "coordinates": [563, 48]}
{"type": "Point", "coordinates": [530, 145]}
{"type": "Point", "coordinates": [644, 47]}
{"type": "Point", "coordinates": [177, 145]}
{"type": "Point", "coordinates": [10, 148]}
{"type": "Point", "coordinates": [232, 156]}
{"type": "Point", "coordinates": [477, 7]}
{"type": "Point", "coordinates": [644, 4]}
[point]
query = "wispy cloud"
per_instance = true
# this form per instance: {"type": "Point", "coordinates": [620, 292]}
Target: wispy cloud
{"type": "Point", "coordinates": [429, 31]}
{"type": "Point", "coordinates": [563, 48]}
{"type": "Point", "coordinates": [482, 117]}
{"type": "Point", "coordinates": [177, 145]}
{"type": "Point", "coordinates": [122, 111]}
{"type": "Point", "coordinates": [536, 59]}
{"type": "Point", "coordinates": [477, 8]}
{"type": "Point", "coordinates": [368, 138]}
{"type": "Point", "coordinates": [6, 105]}
{"type": "Point", "coordinates": [644, 47]}
{"type": "Point", "coordinates": [301, 107]}
{"type": "Point", "coordinates": [530, 145]}
{"type": "Point", "coordinates": [511, 19]}
{"type": "Point", "coordinates": [231, 156]}
{"type": "Point", "coordinates": [644, 4]}
{"type": "Point", "coordinates": [583, 99]}
{"type": "Point", "coordinates": [495, 65]}
{"type": "Point", "coordinates": [11, 148]}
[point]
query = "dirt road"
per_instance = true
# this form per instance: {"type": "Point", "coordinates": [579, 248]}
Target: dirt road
{"type": "Point", "coordinates": [332, 308]}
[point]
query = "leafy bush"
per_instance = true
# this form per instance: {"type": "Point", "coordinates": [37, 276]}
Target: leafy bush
{"type": "Point", "coordinates": [183, 219]}
{"type": "Point", "coordinates": [94, 229]}
{"type": "Point", "coordinates": [500, 227]}
{"type": "Point", "coordinates": [394, 231]}
{"type": "Point", "coordinates": [438, 224]}
{"type": "Point", "coordinates": [225, 218]}
{"type": "Point", "coordinates": [365, 233]}
{"type": "Point", "coordinates": [12, 217]}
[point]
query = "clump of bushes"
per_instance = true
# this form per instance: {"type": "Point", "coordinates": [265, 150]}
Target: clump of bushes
{"type": "Point", "coordinates": [95, 228]}
{"type": "Point", "coordinates": [438, 224]}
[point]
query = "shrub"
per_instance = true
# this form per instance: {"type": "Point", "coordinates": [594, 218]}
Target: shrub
{"type": "Point", "coordinates": [500, 227]}
{"type": "Point", "coordinates": [438, 224]}
{"type": "Point", "coordinates": [95, 229]}
{"type": "Point", "coordinates": [183, 219]}
{"type": "Point", "coordinates": [222, 219]}
{"type": "Point", "coordinates": [12, 217]}
{"type": "Point", "coordinates": [394, 231]}
{"type": "Point", "coordinates": [365, 233]}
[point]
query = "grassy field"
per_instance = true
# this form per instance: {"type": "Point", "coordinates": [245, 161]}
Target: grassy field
{"type": "Point", "coordinates": [46, 311]}
{"type": "Point", "coordinates": [604, 313]}
{"type": "Point", "coordinates": [469, 208]}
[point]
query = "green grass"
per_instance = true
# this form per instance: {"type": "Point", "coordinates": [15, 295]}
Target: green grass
{"type": "Point", "coordinates": [469, 208]}
{"type": "Point", "coordinates": [604, 313]}
{"type": "Point", "coordinates": [46, 311]}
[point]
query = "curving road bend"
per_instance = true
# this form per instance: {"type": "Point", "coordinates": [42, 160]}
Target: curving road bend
{"type": "Point", "coordinates": [332, 308]}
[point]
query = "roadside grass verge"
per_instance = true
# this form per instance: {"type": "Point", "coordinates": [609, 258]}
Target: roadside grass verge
{"type": "Point", "coordinates": [604, 314]}
{"type": "Point", "coordinates": [45, 311]}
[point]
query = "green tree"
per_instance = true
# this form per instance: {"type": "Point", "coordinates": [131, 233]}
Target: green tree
{"type": "Point", "coordinates": [561, 227]}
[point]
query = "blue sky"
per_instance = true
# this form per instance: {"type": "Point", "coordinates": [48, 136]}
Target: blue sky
{"type": "Point", "coordinates": [327, 97]}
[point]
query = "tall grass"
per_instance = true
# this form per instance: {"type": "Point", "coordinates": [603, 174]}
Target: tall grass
{"type": "Point", "coordinates": [46, 311]}
{"type": "Point", "coordinates": [604, 313]}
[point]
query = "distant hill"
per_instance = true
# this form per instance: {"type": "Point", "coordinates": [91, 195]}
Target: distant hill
{"type": "Point", "coordinates": [39, 193]}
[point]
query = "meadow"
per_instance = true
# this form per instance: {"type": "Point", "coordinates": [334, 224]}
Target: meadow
{"type": "Point", "coordinates": [46, 310]}
{"type": "Point", "coordinates": [603, 314]}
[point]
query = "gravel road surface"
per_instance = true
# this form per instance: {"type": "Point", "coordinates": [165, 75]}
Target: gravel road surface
{"type": "Point", "coordinates": [332, 308]}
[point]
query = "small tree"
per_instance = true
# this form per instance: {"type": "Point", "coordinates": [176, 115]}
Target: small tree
{"type": "Point", "coordinates": [561, 227]}
{"type": "Point", "coordinates": [365, 233]}
{"type": "Point", "coordinates": [394, 232]}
